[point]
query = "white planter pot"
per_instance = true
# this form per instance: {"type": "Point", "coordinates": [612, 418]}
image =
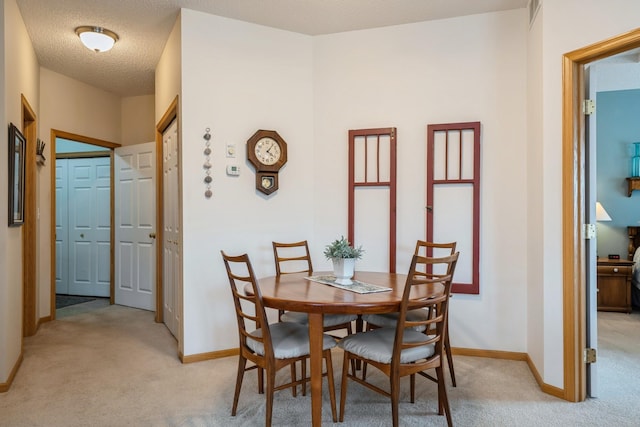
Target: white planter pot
{"type": "Point", "coordinates": [343, 269]}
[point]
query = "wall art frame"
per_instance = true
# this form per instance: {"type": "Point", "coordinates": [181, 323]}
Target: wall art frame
{"type": "Point", "coordinates": [17, 153]}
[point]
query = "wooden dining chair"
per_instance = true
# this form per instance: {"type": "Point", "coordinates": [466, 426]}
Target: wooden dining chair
{"type": "Point", "coordinates": [295, 258]}
{"type": "Point", "coordinates": [291, 258]}
{"type": "Point", "coordinates": [404, 350]}
{"type": "Point", "coordinates": [388, 320]}
{"type": "Point", "coordinates": [270, 347]}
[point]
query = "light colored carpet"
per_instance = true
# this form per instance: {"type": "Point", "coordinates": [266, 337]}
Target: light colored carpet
{"type": "Point", "coordinates": [113, 366]}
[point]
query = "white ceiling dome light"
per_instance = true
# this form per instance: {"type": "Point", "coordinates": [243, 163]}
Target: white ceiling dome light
{"type": "Point", "coordinates": [97, 39]}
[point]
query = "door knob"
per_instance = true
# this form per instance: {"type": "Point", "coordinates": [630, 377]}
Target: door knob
{"type": "Point", "coordinates": [430, 208]}
{"type": "Point", "coordinates": [152, 235]}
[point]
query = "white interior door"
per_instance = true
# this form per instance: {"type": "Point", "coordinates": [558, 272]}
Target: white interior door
{"type": "Point", "coordinates": [172, 239]}
{"type": "Point", "coordinates": [591, 245]}
{"type": "Point", "coordinates": [90, 226]}
{"type": "Point", "coordinates": [135, 222]}
{"type": "Point", "coordinates": [62, 229]}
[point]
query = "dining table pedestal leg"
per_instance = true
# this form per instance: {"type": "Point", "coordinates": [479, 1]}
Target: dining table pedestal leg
{"type": "Point", "coordinates": [315, 353]}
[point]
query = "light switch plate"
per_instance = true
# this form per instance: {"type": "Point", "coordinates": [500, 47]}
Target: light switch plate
{"type": "Point", "coordinates": [231, 150]}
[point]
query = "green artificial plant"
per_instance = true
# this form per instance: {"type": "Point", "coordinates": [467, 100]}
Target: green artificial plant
{"type": "Point", "coordinates": [341, 248]}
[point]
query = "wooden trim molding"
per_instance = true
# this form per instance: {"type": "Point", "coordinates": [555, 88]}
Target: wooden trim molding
{"type": "Point", "coordinates": [44, 319]}
{"type": "Point", "coordinates": [490, 354]}
{"type": "Point", "coordinates": [546, 388]}
{"type": "Point", "coordinates": [200, 357]}
{"type": "Point", "coordinates": [511, 355]}
{"type": "Point", "coordinates": [83, 155]}
{"type": "Point", "coordinates": [573, 199]}
{"type": "Point", "coordinates": [4, 387]}
{"type": "Point", "coordinates": [86, 139]}
{"type": "Point", "coordinates": [471, 352]}
{"type": "Point", "coordinates": [52, 239]}
{"type": "Point", "coordinates": [29, 230]}
{"type": "Point", "coordinates": [573, 249]}
{"type": "Point", "coordinates": [112, 232]}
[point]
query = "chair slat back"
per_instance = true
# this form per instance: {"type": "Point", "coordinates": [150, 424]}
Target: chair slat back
{"type": "Point", "coordinates": [241, 277]}
{"type": "Point", "coordinates": [418, 294]}
{"type": "Point", "coordinates": [434, 250]}
{"type": "Point", "coordinates": [292, 257]}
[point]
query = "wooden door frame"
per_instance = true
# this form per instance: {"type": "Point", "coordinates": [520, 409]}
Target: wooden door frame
{"type": "Point", "coordinates": [167, 118]}
{"type": "Point", "coordinates": [55, 133]}
{"type": "Point", "coordinates": [573, 206]}
{"type": "Point", "coordinates": [29, 129]}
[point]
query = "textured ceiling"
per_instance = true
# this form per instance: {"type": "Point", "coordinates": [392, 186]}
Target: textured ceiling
{"type": "Point", "coordinates": [144, 26]}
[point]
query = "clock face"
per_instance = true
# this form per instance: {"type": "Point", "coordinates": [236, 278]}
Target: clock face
{"type": "Point", "coordinates": [268, 151]}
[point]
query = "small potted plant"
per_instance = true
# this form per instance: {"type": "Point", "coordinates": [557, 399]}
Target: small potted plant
{"type": "Point", "coordinates": [344, 257]}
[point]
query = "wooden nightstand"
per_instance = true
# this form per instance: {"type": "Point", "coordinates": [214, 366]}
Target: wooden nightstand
{"type": "Point", "coordinates": [614, 285]}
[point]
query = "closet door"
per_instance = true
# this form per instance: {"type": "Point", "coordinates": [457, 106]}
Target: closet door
{"type": "Point", "coordinates": [172, 233]}
{"type": "Point", "coordinates": [89, 226]}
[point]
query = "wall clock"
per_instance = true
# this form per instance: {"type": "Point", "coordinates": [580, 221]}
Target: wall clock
{"type": "Point", "coordinates": [267, 152]}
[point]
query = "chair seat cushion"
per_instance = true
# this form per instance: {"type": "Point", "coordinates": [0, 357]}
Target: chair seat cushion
{"type": "Point", "coordinates": [289, 340]}
{"type": "Point", "coordinates": [377, 345]}
{"type": "Point", "coordinates": [389, 320]}
{"type": "Point", "coordinates": [329, 319]}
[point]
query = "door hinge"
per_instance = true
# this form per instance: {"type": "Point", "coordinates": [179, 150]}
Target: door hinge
{"type": "Point", "coordinates": [588, 107]}
{"type": "Point", "coordinates": [589, 231]}
{"type": "Point", "coordinates": [590, 355]}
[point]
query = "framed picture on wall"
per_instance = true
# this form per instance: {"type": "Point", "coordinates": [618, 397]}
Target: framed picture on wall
{"type": "Point", "coordinates": [17, 146]}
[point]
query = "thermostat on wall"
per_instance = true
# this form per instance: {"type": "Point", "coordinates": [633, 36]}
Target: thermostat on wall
{"type": "Point", "coordinates": [233, 170]}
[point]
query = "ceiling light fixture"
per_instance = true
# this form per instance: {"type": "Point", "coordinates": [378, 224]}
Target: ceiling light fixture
{"type": "Point", "coordinates": [97, 39]}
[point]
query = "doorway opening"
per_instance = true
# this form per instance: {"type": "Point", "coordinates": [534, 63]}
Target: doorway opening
{"type": "Point", "coordinates": [574, 176]}
{"type": "Point", "coordinates": [82, 238]}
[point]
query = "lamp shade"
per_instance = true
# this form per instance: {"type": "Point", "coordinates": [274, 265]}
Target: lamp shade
{"type": "Point", "coordinates": [97, 39]}
{"type": "Point", "coordinates": [601, 213]}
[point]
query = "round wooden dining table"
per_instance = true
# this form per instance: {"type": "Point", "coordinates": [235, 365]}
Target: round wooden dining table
{"type": "Point", "coordinates": [295, 292]}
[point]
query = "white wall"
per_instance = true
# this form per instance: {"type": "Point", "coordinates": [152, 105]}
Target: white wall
{"type": "Point", "coordinates": [7, 329]}
{"type": "Point", "coordinates": [138, 119]}
{"type": "Point", "coordinates": [457, 70]}
{"type": "Point", "coordinates": [20, 77]}
{"type": "Point", "coordinates": [169, 72]}
{"type": "Point", "coordinates": [72, 106]}
{"type": "Point", "coordinates": [237, 78]}
{"type": "Point", "coordinates": [240, 77]}
{"type": "Point", "coordinates": [75, 107]}
{"type": "Point", "coordinates": [534, 249]}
